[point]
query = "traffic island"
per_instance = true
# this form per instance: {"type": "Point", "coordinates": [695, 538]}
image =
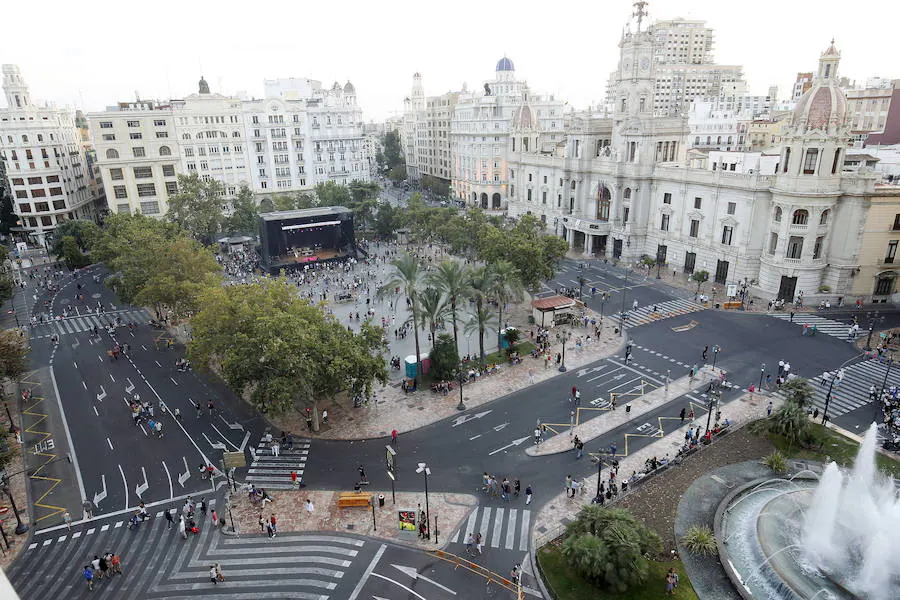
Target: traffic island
{"type": "Point", "coordinates": [396, 520]}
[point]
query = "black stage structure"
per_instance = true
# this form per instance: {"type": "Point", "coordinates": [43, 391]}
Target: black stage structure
{"type": "Point", "coordinates": [292, 239]}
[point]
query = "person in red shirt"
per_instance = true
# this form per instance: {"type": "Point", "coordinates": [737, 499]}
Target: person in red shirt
{"type": "Point", "coordinates": [274, 523]}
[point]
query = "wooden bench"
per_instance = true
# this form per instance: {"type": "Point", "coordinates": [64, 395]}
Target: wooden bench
{"type": "Point", "coordinates": [731, 305]}
{"type": "Point", "coordinates": [351, 499]}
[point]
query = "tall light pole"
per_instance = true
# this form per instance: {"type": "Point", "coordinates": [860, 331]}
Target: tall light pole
{"type": "Point", "coordinates": [762, 373]}
{"type": "Point", "coordinates": [624, 316]}
{"type": "Point", "coordinates": [828, 397]}
{"type": "Point", "coordinates": [424, 469]}
{"type": "Point", "coordinates": [714, 395]}
{"type": "Point", "coordinates": [883, 384]}
{"type": "Point", "coordinates": [715, 350]}
{"type": "Point", "coordinates": [461, 379]}
{"type": "Point", "coordinates": [564, 337]}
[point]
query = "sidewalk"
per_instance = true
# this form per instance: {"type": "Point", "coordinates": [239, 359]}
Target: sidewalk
{"type": "Point", "coordinates": [610, 419]}
{"type": "Point", "coordinates": [289, 508]}
{"type": "Point", "coordinates": [550, 522]}
{"type": "Point", "coordinates": [394, 409]}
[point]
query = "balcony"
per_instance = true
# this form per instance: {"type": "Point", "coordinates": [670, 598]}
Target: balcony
{"type": "Point", "coordinates": [798, 228]}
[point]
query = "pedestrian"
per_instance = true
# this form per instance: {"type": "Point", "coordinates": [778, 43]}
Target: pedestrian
{"type": "Point", "coordinates": [569, 491]}
{"type": "Point", "coordinates": [67, 519]}
{"type": "Point", "coordinates": [683, 414]}
{"type": "Point", "coordinates": [275, 448]}
{"type": "Point", "coordinates": [203, 505]}
{"type": "Point", "coordinates": [670, 584]}
{"type": "Point", "coordinates": [309, 420]}
{"type": "Point", "coordinates": [104, 566]}
{"type": "Point", "coordinates": [705, 351]}
{"type": "Point", "coordinates": [479, 543]}
{"type": "Point", "coordinates": [528, 494]}
{"type": "Point", "coordinates": [309, 507]}
{"type": "Point", "coordinates": [691, 414]}
{"type": "Point", "coordinates": [394, 435]}
{"type": "Point", "coordinates": [88, 574]}
{"type": "Point", "coordinates": [537, 437]}
{"type": "Point", "coordinates": [325, 415]}
{"type": "Point", "coordinates": [517, 487]}
{"type": "Point", "coordinates": [219, 575]}
{"type": "Point", "coordinates": [95, 566]}
{"type": "Point", "coordinates": [294, 482]}
{"type": "Point", "coordinates": [769, 410]}
{"type": "Point", "coordinates": [514, 574]}
{"type": "Point", "coordinates": [199, 411]}
{"type": "Point", "coordinates": [211, 406]}
{"type": "Point", "coordinates": [116, 563]}
{"type": "Point", "coordinates": [579, 449]}
{"type": "Point", "coordinates": [780, 368]}
{"type": "Point", "coordinates": [212, 574]}
{"type": "Point", "coordinates": [362, 474]}
{"type": "Point", "coordinates": [577, 397]}
{"type": "Point", "coordinates": [634, 304]}
{"type": "Point", "coordinates": [215, 519]}
{"type": "Point", "coordinates": [470, 544]}
{"type": "Point", "coordinates": [169, 520]}
{"type": "Point", "coordinates": [262, 523]}
{"type": "Point", "coordinates": [182, 528]}
{"type": "Point", "coordinates": [177, 413]}
{"type": "Point", "coordinates": [88, 509]}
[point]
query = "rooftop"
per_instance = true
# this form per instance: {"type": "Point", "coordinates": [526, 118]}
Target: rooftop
{"type": "Point", "coordinates": [321, 211]}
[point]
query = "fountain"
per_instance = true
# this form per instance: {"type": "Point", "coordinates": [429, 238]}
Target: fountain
{"type": "Point", "coordinates": [835, 537]}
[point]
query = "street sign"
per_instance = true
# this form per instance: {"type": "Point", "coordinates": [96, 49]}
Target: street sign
{"type": "Point", "coordinates": [234, 460]}
{"type": "Point", "coordinates": [390, 459]}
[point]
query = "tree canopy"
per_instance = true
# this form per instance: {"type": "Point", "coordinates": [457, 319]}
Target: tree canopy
{"type": "Point", "coordinates": [244, 213]}
{"type": "Point", "coordinates": [392, 156]}
{"type": "Point", "coordinates": [75, 251]}
{"type": "Point", "coordinates": [197, 207]}
{"type": "Point", "coordinates": [279, 349]}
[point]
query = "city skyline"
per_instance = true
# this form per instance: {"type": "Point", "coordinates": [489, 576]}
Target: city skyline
{"type": "Point", "coordinates": [573, 64]}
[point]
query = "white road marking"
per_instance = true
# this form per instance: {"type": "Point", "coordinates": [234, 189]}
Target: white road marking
{"type": "Point", "coordinates": [107, 439]}
{"type": "Point", "coordinates": [171, 490]}
{"type": "Point", "coordinates": [368, 572]}
{"type": "Point", "coordinates": [125, 482]}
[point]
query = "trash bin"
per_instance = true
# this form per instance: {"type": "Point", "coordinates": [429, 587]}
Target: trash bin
{"type": "Point", "coordinates": [380, 500]}
{"type": "Point", "coordinates": [628, 407]}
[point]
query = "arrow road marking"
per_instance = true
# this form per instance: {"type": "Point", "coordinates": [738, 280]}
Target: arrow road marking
{"type": "Point", "coordinates": [142, 487]}
{"type": "Point", "coordinates": [500, 427]}
{"type": "Point", "coordinates": [216, 445]}
{"type": "Point", "coordinates": [400, 585]}
{"type": "Point", "coordinates": [125, 481]}
{"type": "Point", "coordinates": [510, 445]}
{"type": "Point", "coordinates": [411, 572]}
{"type": "Point", "coordinates": [130, 387]}
{"type": "Point", "coordinates": [182, 477]}
{"type": "Point", "coordinates": [101, 395]}
{"type": "Point", "coordinates": [244, 443]}
{"type": "Point", "coordinates": [223, 437]}
{"type": "Point", "coordinates": [100, 495]}
{"type": "Point", "coordinates": [171, 494]}
{"type": "Point", "coordinates": [466, 418]}
{"type": "Point", "coordinates": [583, 372]}
{"type": "Point", "coordinates": [234, 425]}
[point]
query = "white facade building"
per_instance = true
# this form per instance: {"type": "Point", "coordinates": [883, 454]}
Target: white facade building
{"type": "Point", "coordinates": [46, 164]}
{"type": "Point", "coordinates": [413, 121]}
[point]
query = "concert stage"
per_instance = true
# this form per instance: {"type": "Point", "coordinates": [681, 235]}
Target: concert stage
{"type": "Point", "coordinates": [292, 239]}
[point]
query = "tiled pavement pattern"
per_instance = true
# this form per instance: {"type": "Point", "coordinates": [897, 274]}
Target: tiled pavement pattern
{"type": "Point", "coordinates": [274, 472]}
{"type": "Point", "coordinates": [651, 313]}
{"type": "Point", "coordinates": [823, 325]}
{"type": "Point", "coordinates": [78, 324]}
{"type": "Point", "coordinates": [159, 564]}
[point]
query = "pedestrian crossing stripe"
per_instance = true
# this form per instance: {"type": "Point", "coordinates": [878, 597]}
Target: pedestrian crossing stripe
{"type": "Point", "coordinates": [499, 527]}
{"type": "Point", "coordinates": [827, 326]}
{"type": "Point", "coordinates": [643, 315]}
{"type": "Point", "coordinates": [274, 472]}
{"type": "Point", "coordinates": [82, 323]}
{"type": "Point", "coordinates": [853, 392]}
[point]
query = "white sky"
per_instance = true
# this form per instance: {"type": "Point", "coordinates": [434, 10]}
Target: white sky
{"type": "Point", "coordinates": [95, 53]}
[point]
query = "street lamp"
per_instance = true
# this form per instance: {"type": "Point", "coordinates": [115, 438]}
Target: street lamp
{"type": "Point", "coordinates": [762, 373]}
{"type": "Point", "coordinates": [563, 337]}
{"type": "Point", "coordinates": [424, 469]}
{"type": "Point", "coordinates": [581, 282]}
{"type": "Point", "coordinates": [599, 473]}
{"type": "Point", "coordinates": [713, 402]}
{"type": "Point", "coordinates": [828, 397]}
{"type": "Point", "coordinates": [869, 340]}
{"type": "Point", "coordinates": [461, 379]}
{"type": "Point", "coordinates": [659, 262]}
{"type": "Point", "coordinates": [624, 293]}
{"type": "Point", "coordinates": [883, 384]}
{"type": "Point", "coordinates": [715, 350]}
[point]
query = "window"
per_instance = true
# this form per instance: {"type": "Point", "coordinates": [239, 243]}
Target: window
{"type": "Point", "coordinates": [891, 252]}
{"type": "Point", "coordinates": [626, 195]}
{"type": "Point", "coordinates": [165, 151]}
{"type": "Point", "coordinates": [105, 124]}
{"type": "Point", "coordinates": [123, 208]}
{"type": "Point", "coordinates": [188, 151]}
{"type": "Point", "coordinates": [168, 170]}
{"type": "Point", "coordinates": [46, 221]}
{"type": "Point", "coordinates": [664, 225]}
{"type": "Point", "coordinates": [112, 154]}
{"type": "Point", "coordinates": [773, 243]}
{"type": "Point", "coordinates": [150, 208]}
{"type": "Point", "coordinates": [545, 177]}
{"type": "Point", "coordinates": [41, 207]}
{"type": "Point", "coordinates": [20, 181]}
{"type": "Point", "coordinates": [528, 192]}
{"type": "Point", "coordinates": [109, 137]}
{"type": "Point", "coordinates": [817, 248]}
{"type": "Point", "coordinates": [146, 189]}
{"type": "Point", "coordinates": [778, 214]}
{"type": "Point", "coordinates": [21, 194]}
{"type": "Point", "coordinates": [59, 205]}
{"type": "Point", "coordinates": [823, 218]}
{"type": "Point", "coordinates": [727, 233]}
{"type": "Point", "coordinates": [134, 123]}
{"type": "Point", "coordinates": [135, 135]}
{"type": "Point", "coordinates": [836, 162]}
{"type": "Point", "coordinates": [732, 208]}
{"type": "Point", "coordinates": [695, 228]}
{"type": "Point", "coordinates": [809, 161]}
{"type": "Point", "coordinates": [171, 187]}
{"type": "Point", "coordinates": [119, 191]}
{"type": "Point", "coordinates": [529, 177]}
{"type": "Point", "coordinates": [896, 226]}
{"type": "Point", "coordinates": [667, 198]}
{"type": "Point", "coordinates": [795, 247]}
{"type": "Point", "coordinates": [698, 203]}
{"type": "Point", "coordinates": [56, 191]}
{"type": "Point", "coordinates": [35, 181]}
{"type": "Point", "coordinates": [39, 193]}
{"type": "Point", "coordinates": [787, 160]}
{"type": "Point", "coordinates": [801, 217]}
{"type": "Point", "coordinates": [143, 172]}
{"type": "Point", "coordinates": [159, 122]}
{"type": "Point", "coordinates": [544, 197]}
{"type": "Point", "coordinates": [24, 208]}
{"type": "Point", "coordinates": [625, 212]}
{"type": "Point", "coordinates": [138, 152]}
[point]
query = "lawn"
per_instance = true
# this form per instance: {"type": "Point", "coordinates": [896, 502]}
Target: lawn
{"type": "Point", "coordinates": [838, 448]}
{"type": "Point", "coordinates": [568, 585]}
{"type": "Point", "coordinates": [500, 358]}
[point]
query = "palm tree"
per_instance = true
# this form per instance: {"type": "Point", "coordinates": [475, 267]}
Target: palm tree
{"type": "Point", "coordinates": [409, 275]}
{"type": "Point", "coordinates": [506, 285]}
{"type": "Point", "coordinates": [433, 310]}
{"type": "Point", "coordinates": [480, 284]}
{"type": "Point", "coordinates": [451, 277]}
{"type": "Point", "coordinates": [481, 319]}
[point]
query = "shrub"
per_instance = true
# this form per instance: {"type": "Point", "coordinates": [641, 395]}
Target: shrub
{"type": "Point", "coordinates": [776, 462]}
{"type": "Point", "coordinates": [700, 540]}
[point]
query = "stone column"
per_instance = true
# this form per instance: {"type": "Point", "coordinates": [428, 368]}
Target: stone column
{"type": "Point", "coordinates": [588, 244]}
{"type": "Point", "coordinates": [571, 234]}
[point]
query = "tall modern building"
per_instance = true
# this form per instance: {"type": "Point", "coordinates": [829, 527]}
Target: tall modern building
{"type": "Point", "coordinates": [46, 162]}
{"type": "Point", "coordinates": [413, 121]}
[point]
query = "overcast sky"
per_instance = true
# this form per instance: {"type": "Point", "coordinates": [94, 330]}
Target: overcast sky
{"type": "Point", "coordinates": [95, 53]}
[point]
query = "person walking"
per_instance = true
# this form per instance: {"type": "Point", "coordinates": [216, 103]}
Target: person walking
{"type": "Point", "coordinates": [705, 352]}
{"type": "Point", "coordinates": [569, 492]}
{"type": "Point", "coordinates": [88, 574]}
{"type": "Point", "coordinates": [116, 562]}
{"type": "Point", "coordinates": [634, 304]}
{"type": "Point", "coordinates": [219, 575]}
{"type": "Point", "coordinates": [275, 447]}
{"type": "Point", "coordinates": [579, 449]}
{"type": "Point", "coordinates": [479, 543]}
{"type": "Point", "coordinates": [182, 527]}
{"type": "Point", "coordinates": [215, 519]}
{"type": "Point", "coordinates": [88, 509]}
{"type": "Point", "coordinates": [274, 524]}
{"type": "Point", "coordinates": [394, 435]}
{"type": "Point", "coordinates": [212, 574]}
{"type": "Point", "coordinates": [362, 474]}
{"type": "Point", "coordinates": [470, 544]}
{"type": "Point", "coordinates": [769, 410]}
{"type": "Point", "coordinates": [169, 520]}
{"type": "Point", "coordinates": [67, 519]}
{"type": "Point", "coordinates": [528, 494]}
{"type": "Point", "coordinates": [683, 414]}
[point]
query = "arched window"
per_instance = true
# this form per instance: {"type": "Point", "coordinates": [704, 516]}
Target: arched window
{"type": "Point", "coordinates": [185, 136]}
{"type": "Point", "coordinates": [199, 136]}
{"type": "Point", "coordinates": [801, 217]}
{"type": "Point", "coordinates": [626, 195]}
{"type": "Point", "coordinates": [25, 138]}
{"type": "Point", "coordinates": [112, 153]}
{"type": "Point", "coordinates": [603, 202]}
{"type": "Point", "coordinates": [165, 151]}
{"type": "Point", "coordinates": [823, 219]}
{"type": "Point", "coordinates": [778, 214]}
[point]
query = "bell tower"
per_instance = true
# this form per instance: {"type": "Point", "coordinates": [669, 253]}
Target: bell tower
{"type": "Point", "coordinates": [17, 94]}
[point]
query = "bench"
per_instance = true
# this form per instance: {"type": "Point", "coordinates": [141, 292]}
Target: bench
{"type": "Point", "coordinates": [352, 499]}
{"type": "Point", "coordinates": [731, 305]}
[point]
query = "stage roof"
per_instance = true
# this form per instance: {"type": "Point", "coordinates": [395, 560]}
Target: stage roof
{"type": "Point", "coordinates": [321, 211]}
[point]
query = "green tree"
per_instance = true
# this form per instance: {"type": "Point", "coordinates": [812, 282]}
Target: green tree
{"type": "Point", "coordinates": [452, 278]}
{"type": "Point", "coordinates": [386, 220]}
{"type": "Point", "coordinates": [197, 207]}
{"type": "Point", "coordinates": [332, 194]}
{"type": "Point", "coordinates": [699, 277]}
{"type": "Point", "coordinates": [267, 205]}
{"type": "Point", "coordinates": [83, 233]}
{"type": "Point", "coordinates": [798, 390]}
{"type": "Point", "coordinates": [608, 546]}
{"type": "Point", "coordinates": [295, 201]}
{"type": "Point", "coordinates": [438, 187]}
{"type": "Point", "coordinates": [281, 351]}
{"type": "Point", "coordinates": [791, 422]}
{"type": "Point", "coordinates": [444, 358]}
{"type": "Point", "coordinates": [393, 154]}
{"type": "Point", "coordinates": [481, 318]}
{"type": "Point", "coordinates": [244, 214]}
{"type": "Point", "coordinates": [397, 174]}
{"type": "Point", "coordinates": [14, 349]}
{"type": "Point", "coordinates": [409, 275]}
{"type": "Point", "coordinates": [434, 311]}
{"type": "Point", "coordinates": [506, 286]}
{"type": "Point", "coordinates": [72, 255]}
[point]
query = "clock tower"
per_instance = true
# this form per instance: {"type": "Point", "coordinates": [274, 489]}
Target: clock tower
{"type": "Point", "coordinates": [634, 77]}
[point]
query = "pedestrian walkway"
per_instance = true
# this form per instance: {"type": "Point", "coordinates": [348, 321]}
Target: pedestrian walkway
{"type": "Point", "coordinates": [82, 323]}
{"type": "Point", "coordinates": [502, 527]}
{"type": "Point", "coordinates": [853, 391]}
{"type": "Point", "coordinates": [274, 472]}
{"type": "Point", "coordinates": [642, 315]}
{"type": "Point", "coordinates": [823, 325]}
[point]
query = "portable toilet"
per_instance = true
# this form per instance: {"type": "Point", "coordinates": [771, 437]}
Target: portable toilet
{"type": "Point", "coordinates": [411, 365]}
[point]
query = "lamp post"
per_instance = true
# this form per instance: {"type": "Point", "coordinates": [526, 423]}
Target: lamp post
{"type": "Point", "coordinates": [869, 340]}
{"type": "Point", "coordinates": [599, 473]}
{"type": "Point", "coordinates": [828, 397]}
{"type": "Point", "coordinates": [461, 379]}
{"type": "Point", "coordinates": [564, 337]}
{"type": "Point", "coordinates": [624, 316]}
{"type": "Point", "coordinates": [762, 373]}
{"type": "Point", "coordinates": [20, 526]}
{"type": "Point", "coordinates": [884, 384]}
{"type": "Point", "coordinates": [659, 262]}
{"type": "Point", "coordinates": [715, 350]}
{"type": "Point", "coordinates": [423, 468]}
{"type": "Point", "coordinates": [712, 404]}
{"type": "Point", "coordinates": [581, 282]}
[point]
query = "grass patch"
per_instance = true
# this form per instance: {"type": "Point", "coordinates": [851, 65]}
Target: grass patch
{"type": "Point", "coordinates": [840, 449]}
{"type": "Point", "coordinates": [568, 585]}
{"type": "Point", "coordinates": [500, 358]}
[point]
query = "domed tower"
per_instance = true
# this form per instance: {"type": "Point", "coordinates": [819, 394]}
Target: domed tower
{"type": "Point", "coordinates": [349, 93]}
{"type": "Point", "coordinates": [525, 127]}
{"type": "Point", "coordinates": [506, 71]}
{"type": "Point", "coordinates": [17, 95]}
{"type": "Point", "coordinates": [417, 98]}
{"type": "Point", "coordinates": [807, 188]}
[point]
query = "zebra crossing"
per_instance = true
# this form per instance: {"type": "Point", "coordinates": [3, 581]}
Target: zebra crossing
{"type": "Point", "coordinates": [269, 471]}
{"type": "Point", "coordinates": [651, 313]}
{"type": "Point", "coordinates": [853, 391]}
{"type": "Point", "coordinates": [159, 564]}
{"type": "Point", "coordinates": [80, 323]}
{"type": "Point", "coordinates": [501, 527]}
{"type": "Point", "coordinates": [823, 325]}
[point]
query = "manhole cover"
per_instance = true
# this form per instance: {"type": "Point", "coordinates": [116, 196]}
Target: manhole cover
{"type": "Point", "coordinates": [542, 529]}
{"type": "Point", "coordinates": [351, 526]}
{"type": "Point", "coordinates": [95, 296]}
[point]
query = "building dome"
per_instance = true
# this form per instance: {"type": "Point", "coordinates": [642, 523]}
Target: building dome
{"type": "Point", "coordinates": [504, 64]}
{"type": "Point", "coordinates": [349, 89]}
{"type": "Point", "coordinates": [525, 119]}
{"type": "Point", "coordinates": [824, 105]}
